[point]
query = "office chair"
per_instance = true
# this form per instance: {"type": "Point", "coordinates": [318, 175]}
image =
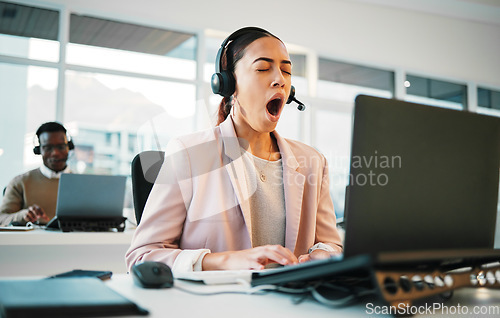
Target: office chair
{"type": "Point", "coordinates": [145, 168]}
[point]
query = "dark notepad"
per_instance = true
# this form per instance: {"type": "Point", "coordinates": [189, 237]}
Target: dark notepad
{"type": "Point", "coordinates": [63, 297]}
{"type": "Point", "coordinates": [102, 275]}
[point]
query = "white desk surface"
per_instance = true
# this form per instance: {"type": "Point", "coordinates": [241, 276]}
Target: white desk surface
{"type": "Point", "coordinates": [45, 253]}
{"type": "Point", "coordinates": [172, 302]}
{"type": "Point", "coordinates": [43, 237]}
{"type": "Point", "coordinates": [41, 252]}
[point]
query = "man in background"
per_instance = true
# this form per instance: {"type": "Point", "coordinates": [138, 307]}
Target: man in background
{"type": "Point", "coordinates": [32, 196]}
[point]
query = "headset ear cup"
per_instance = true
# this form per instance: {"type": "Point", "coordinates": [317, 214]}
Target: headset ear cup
{"type": "Point", "coordinates": [36, 150]}
{"type": "Point", "coordinates": [223, 84]}
{"type": "Point", "coordinates": [71, 145]}
{"type": "Point", "coordinates": [216, 83]}
{"type": "Point", "coordinates": [228, 86]}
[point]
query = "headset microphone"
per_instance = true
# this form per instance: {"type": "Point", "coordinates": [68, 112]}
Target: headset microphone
{"type": "Point", "coordinates": [292, 98]}
{"type": "Point", "coordinates": [301, 106]}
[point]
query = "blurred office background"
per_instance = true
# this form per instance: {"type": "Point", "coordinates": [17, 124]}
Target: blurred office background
{"type": "Point", "coordinates": [125, 76]}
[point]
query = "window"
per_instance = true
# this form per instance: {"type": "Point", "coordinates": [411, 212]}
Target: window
{"type": "Point", "coordinates": [332, 131]}
{"type": "Point", "coordinates": [131, 48]}
{"type": "Point", "coordinates": [124, 103]}
{"type": "Point", "coordinates": [31, 48]}
{"type": "Point", "coordinates": [436, 92]}
{"type": "Point", "coordinates": [344, 81]}
{"type": "Point", "coordinates": [27, 93]}
{"type": "Point", "coordinates": [28, 21]}
{"type": "Point", "coordinates": [211, 101]}
{"type": "Point", "coordinates": [488, 98]}
{"type": "Point", "coordinates": [27, 98]}
{"type": "Point", "coordinates": [299, 79]}
{"type": "Point", "coordinates": [212, 45]}
{"type": "Point", "coordinates": [338, 85]}
{"type": "Point", "coordinates": [106, 113]}
{"type": "Point", "coordinates": [29, 32]}
{"type": "Point", "coordinates": [289, 125]}
{"type": "Point", "coordinates": [121, 80]}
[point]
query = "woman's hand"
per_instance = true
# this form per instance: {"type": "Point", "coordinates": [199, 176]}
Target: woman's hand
{"type": "Point", "coordinates": [253, 258]}
{"type": "Point", "coordinates": [314, 255]}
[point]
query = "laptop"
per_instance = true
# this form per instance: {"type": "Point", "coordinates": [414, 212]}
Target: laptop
{"type": "Point", "coordinates": [88, 202]}
{"type": "Point", "coordinates": [423, 192]}
{"type": "Point", "coordinates": [435, 178]}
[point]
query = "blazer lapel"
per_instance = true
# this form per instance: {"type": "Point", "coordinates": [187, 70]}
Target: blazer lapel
{"type": "Point", "coordinates": [293, 182]}
{"type": "Point", "coordinates": [236, 170]}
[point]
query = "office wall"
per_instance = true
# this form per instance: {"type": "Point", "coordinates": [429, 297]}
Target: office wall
{"type": "Point", "coordinates": [451, 48]}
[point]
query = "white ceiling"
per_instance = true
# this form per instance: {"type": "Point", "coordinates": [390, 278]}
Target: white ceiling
{"type": "Point", "coordinates": [455, 40]}
{"type": "Point", "coordinates": [483, 11]}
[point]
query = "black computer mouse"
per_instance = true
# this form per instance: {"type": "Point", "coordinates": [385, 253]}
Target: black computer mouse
{"type": "Point", "coordinates": [152, 275]}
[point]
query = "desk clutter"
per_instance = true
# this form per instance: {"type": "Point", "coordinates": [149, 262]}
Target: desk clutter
{"type": "Point", "coordinates": [404, 286]}
{"type": "Point", "coordinates": [340, 283]}
{"type": "Point", "coordinates": [334, 283]}
{"type": "Point", "coordinates": [63, 297]}
{"type": "Point", "coordinates": [343, 282]}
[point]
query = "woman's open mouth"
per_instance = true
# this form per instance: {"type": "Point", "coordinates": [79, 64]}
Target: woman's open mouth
{"type": "Point", "coordinates": [273, 108]}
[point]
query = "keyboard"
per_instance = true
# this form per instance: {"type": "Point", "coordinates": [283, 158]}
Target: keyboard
{"type": "Point", "coordinates": [304, 272]}
{"type": "Point", "coordinates": [317, 270]}
{"type": "Point", "coordinates": [217, 277]}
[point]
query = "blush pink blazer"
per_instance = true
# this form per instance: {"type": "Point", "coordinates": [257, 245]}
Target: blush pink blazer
{"type": "Point", "coordinates": [200, 199]}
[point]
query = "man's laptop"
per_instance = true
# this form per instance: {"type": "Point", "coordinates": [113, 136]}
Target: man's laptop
{"type": "Point", "coordinates": [89, 203]}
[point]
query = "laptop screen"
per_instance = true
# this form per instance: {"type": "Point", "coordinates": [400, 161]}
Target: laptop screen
{"type": "Point", "coordinates": [90, 196]}
{"type": "Point", "coordinates": [421, 178]}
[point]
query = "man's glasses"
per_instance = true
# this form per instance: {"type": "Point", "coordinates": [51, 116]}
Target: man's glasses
{"type": "Point", "coordinates": [50, 148]}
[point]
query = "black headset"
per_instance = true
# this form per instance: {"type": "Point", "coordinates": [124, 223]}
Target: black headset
{"type": "Point", "coordinates": [223, 82]}
{"type": "Point", "coordinates": [37, 150]}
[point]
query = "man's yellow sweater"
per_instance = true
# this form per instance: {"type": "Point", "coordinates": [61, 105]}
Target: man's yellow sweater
{"type": "Point", "coordinates": [25, 190]}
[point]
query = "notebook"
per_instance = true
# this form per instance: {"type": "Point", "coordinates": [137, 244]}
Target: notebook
{"type": "Point", "coordinates": [89, 202]}
{"type": "Point", "coordinates": [63, 297]}
{"type": "Point", "coordinates": [423, 192]}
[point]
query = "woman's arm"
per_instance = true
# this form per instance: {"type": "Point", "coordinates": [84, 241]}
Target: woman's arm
{"type": "Point", "coordinates": [327, 239]}
{"type": "Point", "coordinates": [157, 236]}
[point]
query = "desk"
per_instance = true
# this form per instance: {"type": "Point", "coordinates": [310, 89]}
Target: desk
{"type": "Point", "coordinates": [176, 303]}
{"type": "Point", "coordinates": [173, 302]}
{"type": "Point", "coordinates": [44, 253]}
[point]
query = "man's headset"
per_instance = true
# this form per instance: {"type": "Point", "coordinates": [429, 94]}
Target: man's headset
{"type": "Point", "coordinates": [223, 82]}
{"type": "Point", "coordinates": [38, 151]}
